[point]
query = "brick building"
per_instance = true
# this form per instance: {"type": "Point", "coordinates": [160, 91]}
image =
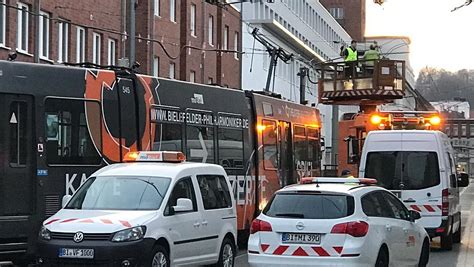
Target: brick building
{"type": "Point", "coordinates": [350, 14]}
{"type": "Point", "coordinates": [181, 24]}
{"type": "Point", "coordinates": [69, 31]}
{"type": "Point", "coordinates": [461, 133]}
{"type": "Point", "coordinates": [95, 31]}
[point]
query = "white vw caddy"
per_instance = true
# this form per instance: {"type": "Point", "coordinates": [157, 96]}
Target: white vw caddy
{"type": "Point", "coordinates": [154, 210]}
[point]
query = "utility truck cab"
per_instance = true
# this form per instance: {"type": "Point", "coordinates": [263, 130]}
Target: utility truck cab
{"type": "Point", "coordinates": [419, 167]}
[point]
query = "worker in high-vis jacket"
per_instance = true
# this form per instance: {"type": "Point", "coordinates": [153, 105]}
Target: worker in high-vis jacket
{"type": "Point", "coordinates": [350, 57]}
{"type": "Point", "coordinates": [370, 56]}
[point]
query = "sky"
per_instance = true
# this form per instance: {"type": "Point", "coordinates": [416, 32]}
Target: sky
{"type": "Point", "coordinates": [440, 38]}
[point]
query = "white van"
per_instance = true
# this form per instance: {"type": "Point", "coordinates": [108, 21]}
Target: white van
{"type": "Point", "coordinates": [154, 210]}
{"type": "Point", "coordinates": [419, 167]}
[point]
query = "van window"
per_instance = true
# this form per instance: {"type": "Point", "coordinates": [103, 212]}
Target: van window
{"type": "Point", "coordinates": [183, 189]}
{"type": "Point", "coordinates": [403, 170]}
{"type": "Point", "coordinates": [214, 191]}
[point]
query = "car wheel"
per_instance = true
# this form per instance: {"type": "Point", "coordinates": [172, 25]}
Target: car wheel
{"type": "Point", "coordinates": [425, 254]}
{"type": "Point", "coordinates": [160, 257]}
{"type": "Point", "coordinates": [457, 235]}
{"type": "Point", "coordinates": [382, 258]}
{"type": "Point", "coordinates": [227, 254]}
{"type": "Point", "coordinates": [447, 241]}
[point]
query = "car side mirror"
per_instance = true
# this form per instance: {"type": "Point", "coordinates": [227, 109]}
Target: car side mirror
{"type": "Point", "coordinates": [183, 205]}
{"type": "Point", "coordinates": [414, 215]}
{"type": "Point", "coordinates": [65, 200]}
{"type": "Point", "coordinates": [463, 180]}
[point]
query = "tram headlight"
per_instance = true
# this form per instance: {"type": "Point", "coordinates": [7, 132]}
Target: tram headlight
{"type": "Point", "coordinates": [44, 233]}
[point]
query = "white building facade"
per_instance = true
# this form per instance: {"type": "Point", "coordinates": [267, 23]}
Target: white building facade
{"type": "Point", "coordinates": [303, 28]}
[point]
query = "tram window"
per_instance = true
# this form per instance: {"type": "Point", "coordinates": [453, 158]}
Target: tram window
{"type": "Point", "coordinates": [196, 138]}
{"type": "Point", "coordinates": [299, 143]}
{"type": "Point", "coordinates": [231, 148]}
{"type": "Point", "coordinates": [18, 150]}
{"type": "Point", "coordinates": [68, 135]}
{"type": "Point", "coordinates": [314, 146]}
{"type": "Point", "coordinates": [269, 139]}
{"type": "Point", "coordinates": [168, 137]}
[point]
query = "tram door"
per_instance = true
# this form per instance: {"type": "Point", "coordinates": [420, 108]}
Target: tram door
{"type": "Point", "coordinates": [128, 115]}
{"type": "Point", "coordinates": [286, 155]}
{"type": "Point", "coordinates": [17, 155]}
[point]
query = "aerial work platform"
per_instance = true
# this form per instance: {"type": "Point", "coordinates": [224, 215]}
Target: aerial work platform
{"type": "Point", "coordinates": [357, 83]}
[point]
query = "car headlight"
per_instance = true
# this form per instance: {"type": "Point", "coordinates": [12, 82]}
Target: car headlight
{"type": "Point", "coordinates": [131, 234]}
{"type": "Point", "coordinates": [44, 233]}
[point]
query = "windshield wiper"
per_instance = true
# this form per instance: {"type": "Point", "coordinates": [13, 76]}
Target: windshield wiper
{"type": "Point", "coordinates": [291, 215]}
{"type": "Point", "coordinates": [152, 184]}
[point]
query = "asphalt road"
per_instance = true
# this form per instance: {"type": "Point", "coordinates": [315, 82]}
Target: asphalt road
{"type": "Point", "coordinates": [461, 255]}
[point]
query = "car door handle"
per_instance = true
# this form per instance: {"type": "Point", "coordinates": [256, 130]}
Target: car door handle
{"type": "Point", "coordinates": [388, 227]}
{"type": "Point", "coordinates": [204, 223]}
{"type": "Point", "coordinates": [197, 224]}
{"type": "Point", "coordinates": [410, 200]}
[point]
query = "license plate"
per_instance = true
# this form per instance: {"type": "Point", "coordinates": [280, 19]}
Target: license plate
{"type": "Point", "coordinates": [76, 253]}
{"type": "Point", "coordinates": [301, 238]}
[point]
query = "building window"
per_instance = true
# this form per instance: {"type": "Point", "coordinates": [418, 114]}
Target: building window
{"type": "Point", "coordinates": [96, 48]}
{"type": "Point", "coordinates": [111, 52]}
{"type": "Point", "coordinates": [156, 66]}
{"type": "Point", "coordinates": [80, 45]}
{"type": "Point", "coordinates": [63, 41]}
{"type": "Point", "coordinates": [210, 80]}
{"type": "Point", "coordinates": [3, 15]}
{"type": "Point", "coordinates": [44, 35]}
{"type": "Point", "coordinates": [463, 130]}
{"type": "Point", "coordinates": [172, 70]}
{"type": "Point", "coordinates": [193, 19]}
{"type": "Point", "coordinates": [455, 132]}
{"type": "Point", "coordinates": [173, 10]}
{"type": "Point", "coordinates": [157, 7]}
{"type": "Point", "coordinates": [236, 45]}
{"type": "Point", "coordinates": [471, 130]}
{"type": "Point", "coordinates": [210, 38]}
{"type": "Point", "coordinates": [192, 76]}
{"type": "Point", "coordinates": [337, 12]}
{"type": "Point", "coordinates": [22, 30]}
{"type": "Point", "coordinates": [225, 45]}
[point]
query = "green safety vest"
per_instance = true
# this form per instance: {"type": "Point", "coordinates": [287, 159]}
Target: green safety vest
{"type": "Point", "coordinates": [371, 55]}
{"type": "Point", "coordinates": [352, 55]}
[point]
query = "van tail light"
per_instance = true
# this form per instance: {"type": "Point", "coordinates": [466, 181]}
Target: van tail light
{"type": "Point", "coordinates": [355, 229]}
{"type": "Point", "coordinates": [260, 226]}
{"type": "Point", "coordinates": [445, 202]}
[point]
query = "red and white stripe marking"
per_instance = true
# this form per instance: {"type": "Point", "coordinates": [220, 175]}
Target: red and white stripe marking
{"type": "Point", "coordinates": [426, 208]}
{"type": "Point", "coordinates": [304, 251]}
{"type": "Point", "coordinates": [102, 221]}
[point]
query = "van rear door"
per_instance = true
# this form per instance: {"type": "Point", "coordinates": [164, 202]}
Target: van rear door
{"type": "Point", "coordinates": [423, 187]}
{"type": "Point", "coordinates": [413, 176]}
